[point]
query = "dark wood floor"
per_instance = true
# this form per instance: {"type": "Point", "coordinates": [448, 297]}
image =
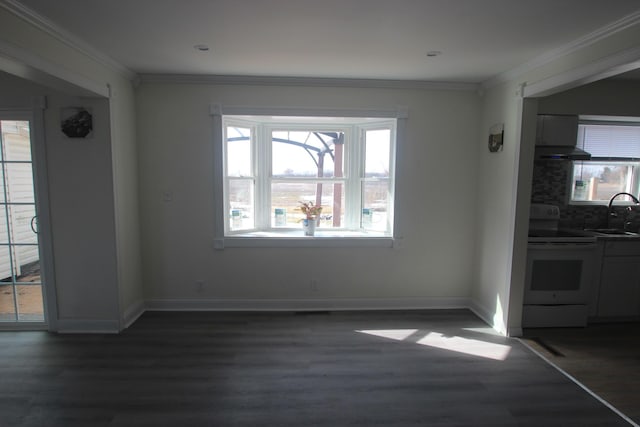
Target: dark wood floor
{"type": "Point", "coordinates": [604, 357]}
{"type": "Point", "coordinates": [420, 368]}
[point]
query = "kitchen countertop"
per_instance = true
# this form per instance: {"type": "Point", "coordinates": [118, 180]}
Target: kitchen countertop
{"type": "Point", "coordinates": [605, 236]}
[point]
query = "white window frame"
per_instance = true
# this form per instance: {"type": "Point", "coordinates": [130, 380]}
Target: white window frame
{"type": "Point", "coordinates": [269, 179]}
{"type": "Point", "coordinates": [264, 235]}
{"type": "Point", "coordinates": [633, 179]}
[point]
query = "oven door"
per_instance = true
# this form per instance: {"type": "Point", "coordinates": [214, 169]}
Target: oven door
{"type": "Point", "coordinates": [559, 273]}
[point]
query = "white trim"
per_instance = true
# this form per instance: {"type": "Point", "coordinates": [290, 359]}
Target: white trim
{"type": "Point", "coordinates": [35, 116]}
{"type": "Point", "coordinates": [350, 121]}
{"type": "Point", "coordinates": [132, 313]}
{"type": "Point", "coordinates": [305, 81]}
{"type": "Point", "coordinates": [514, 332]}
{"type": "Point", "coordinates": [17, 61]}
{"type": "Point", "coordinates": [612, 65]}
{"type": "Point", "coordinates": [218, 180]}
{"type": "Point", "coordinates": [23, 326]}
{"type": "Point", "coordinates": [399, 111]}
{"type": "Point", "coordinates": [486, 315]}
{"type": "Point", "coordinates": [314, 304]}
{"type": "Point", "coordinates": [512, 226]}
{"type": "Point", "coordinates": [567, 49]}
{"type": "Point", "coordinates": [51, 29]}
{"type": "Point", "coordinates": [579, 384]}
{"type": "Point", "coordinates": [87, 326]}
{"type": "Point", "coordinates": [41, 189]}
{"type": "Point", "coordinates": [317, 241]}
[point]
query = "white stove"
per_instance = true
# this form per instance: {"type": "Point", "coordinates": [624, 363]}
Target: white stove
{"type": "Point", "coordinates": [559, 271]}
{"type": "Point", "coordinates": [543, 228]}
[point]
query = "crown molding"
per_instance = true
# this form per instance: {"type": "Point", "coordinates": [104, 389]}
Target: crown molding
{"type": "Point", "coordinates": [609, 66]}
{"type": "Point", "coordinates": [69, 39]}
{"type": "Point", "coordinates": [25, 64]}
{"type": "Point", "coordinates": [304, 81]}
{"type": "Point", "coordinates": [567, 49]}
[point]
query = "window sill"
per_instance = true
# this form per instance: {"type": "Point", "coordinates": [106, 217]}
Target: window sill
{"type": "Point", "coordinates": [588, 203]}
{"type": "Point", "coordinates": [605, 203]}
{"type": "Point", "coordinates": [296, 239]}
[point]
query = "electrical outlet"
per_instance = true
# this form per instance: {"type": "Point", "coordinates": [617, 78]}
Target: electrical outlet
{"type": "Point", "coordinates": [314, 284]}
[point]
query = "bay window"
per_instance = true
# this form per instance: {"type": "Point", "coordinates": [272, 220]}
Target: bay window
{"type": "Point", "coordinates": [271, 164]}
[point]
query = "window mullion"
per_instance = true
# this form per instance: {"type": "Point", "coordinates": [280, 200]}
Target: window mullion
{"type": "Point", "coordinates": [355, 166]}
{"type": "Point", "coordinates": [263, 177]}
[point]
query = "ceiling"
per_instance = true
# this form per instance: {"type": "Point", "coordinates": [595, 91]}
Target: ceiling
{"type": "Point", "coordinates": [368, 39]}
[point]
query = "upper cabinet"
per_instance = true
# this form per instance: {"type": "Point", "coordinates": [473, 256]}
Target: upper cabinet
{"type": "Point", "coordinates": [557, 129]}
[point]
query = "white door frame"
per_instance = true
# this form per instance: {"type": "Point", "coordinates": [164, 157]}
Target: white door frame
{"type": "Point", "coordinates": [35, 116]}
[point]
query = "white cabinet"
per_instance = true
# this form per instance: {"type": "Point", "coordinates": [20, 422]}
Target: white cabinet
{"type": "Point", "coordinates": [556, 129]}
{"type": "Point", "coordinates": [619, 293]}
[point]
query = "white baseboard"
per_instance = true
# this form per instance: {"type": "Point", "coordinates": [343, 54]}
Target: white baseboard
{"type": "Point", "coordinates": [132, 313]}
{"type": "Point", "coordinates": [482, 312]}
{"type": "Point", "coordinates": [24, 326]}
{"type": "Point", "coordinates": [315, 304]}
{"type": "Point", "coordinates": [487, 315]}
{"type": "Point", "coordinates": [515, 332]}
{"type": "Point", "coordinates": [87, 326]}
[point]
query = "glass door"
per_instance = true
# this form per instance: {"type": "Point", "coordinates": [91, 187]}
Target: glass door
{"type": "Point", "coordinates": [21, 296]}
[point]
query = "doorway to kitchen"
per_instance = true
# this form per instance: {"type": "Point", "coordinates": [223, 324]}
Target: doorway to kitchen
{"type": "Point", "coordinates": [21, 281]}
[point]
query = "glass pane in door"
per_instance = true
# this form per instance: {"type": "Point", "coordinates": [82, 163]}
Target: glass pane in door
{"type": "Point", "coordinates": [20, 281]}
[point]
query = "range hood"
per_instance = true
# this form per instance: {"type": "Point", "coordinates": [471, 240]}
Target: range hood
{"type": "Point", "coordinates": [556, 138]}
{"type": "Point", "coordinates": [561, 152]}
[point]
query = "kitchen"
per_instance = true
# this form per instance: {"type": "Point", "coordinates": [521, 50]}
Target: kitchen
{"type": "Point", "coordinates": [593, 337]}
{"type": "Point", "coordinates": [609, 260]}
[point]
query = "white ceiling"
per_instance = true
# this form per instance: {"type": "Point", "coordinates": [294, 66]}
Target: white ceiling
{"type": "Point", "coordinates": [371, 39]}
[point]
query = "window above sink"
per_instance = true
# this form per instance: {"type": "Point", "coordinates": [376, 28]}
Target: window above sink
{"type": "Point", "coordinates": [614, 144]}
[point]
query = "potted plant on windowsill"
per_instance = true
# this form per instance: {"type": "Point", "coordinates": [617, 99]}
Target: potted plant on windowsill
{"type": "Point", "coordinates": [312, 216]}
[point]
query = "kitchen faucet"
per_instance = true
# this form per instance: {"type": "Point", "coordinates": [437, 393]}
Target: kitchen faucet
{"type": "Point", "coordinates": [611, 213]}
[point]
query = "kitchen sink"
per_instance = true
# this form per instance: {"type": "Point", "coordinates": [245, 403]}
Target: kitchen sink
{"type": "Point", "coordinates": [612, 231]}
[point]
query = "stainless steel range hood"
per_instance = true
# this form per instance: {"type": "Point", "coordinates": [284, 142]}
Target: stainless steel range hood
{"type": "Point", "coordinates": [561, 152]}
{"type": "Point", "coordinates": [556, 138]}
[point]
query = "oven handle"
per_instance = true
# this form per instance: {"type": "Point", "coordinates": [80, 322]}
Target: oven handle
{"type": "Point", "coordinates": [563, 246]}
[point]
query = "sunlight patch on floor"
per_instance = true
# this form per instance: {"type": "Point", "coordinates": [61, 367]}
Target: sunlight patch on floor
{"type": "Point", "coordinates": [458, 344]}
{"type": "Point", "coordinates": [394, 334]}
{"type": "Point", "coordinates": [487, 330]}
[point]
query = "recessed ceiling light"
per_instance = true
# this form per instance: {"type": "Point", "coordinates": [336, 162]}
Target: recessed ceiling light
{"type": "Point", "coordinates": [433, 53]}
{"type": "Point", "coordinates": [201, 47]}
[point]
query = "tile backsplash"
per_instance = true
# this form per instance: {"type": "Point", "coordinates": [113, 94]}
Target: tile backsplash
{"type": "Point", "coordinates": [552, 183]}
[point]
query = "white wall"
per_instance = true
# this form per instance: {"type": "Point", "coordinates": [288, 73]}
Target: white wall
{"type": "Point", "coordinates": [496, 176]}
{"type": "Point", "coordinates": [435, 195]}
{"type": "Point", "coordinates": [31, 52]}
{"type": "Point", "coordinates": [124, 152]}
{"type": "Point", "coordinates": [82, 214]}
